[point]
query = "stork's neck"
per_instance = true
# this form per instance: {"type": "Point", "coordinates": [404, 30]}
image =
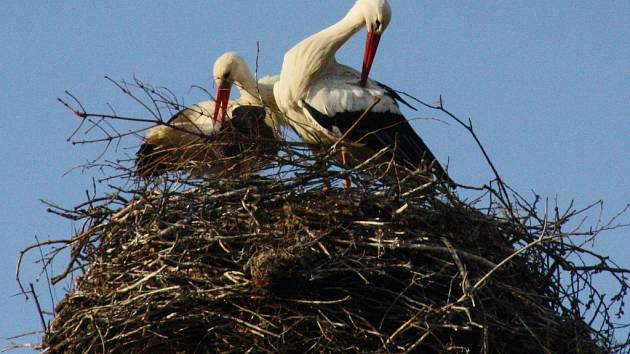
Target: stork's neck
{"type": "Point", "coordinates": [255, 92]}
{"type": "Point", "coordinates": [246, 82]}
{"type": "Point", "coordinates": [265, 92]}
{"type": "Point", "coordinates": [327, 42]}
{"type": "Point", "coordinates": [305, 62]}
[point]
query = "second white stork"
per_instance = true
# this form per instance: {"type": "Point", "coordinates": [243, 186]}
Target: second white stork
{"type": "Point", "coordinates": [219, 137]}
{"type": "Point", "coordinates": [325, 101]}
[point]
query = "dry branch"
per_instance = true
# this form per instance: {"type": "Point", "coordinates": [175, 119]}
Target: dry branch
{"type": "Point", "coordinates": [273, 263]}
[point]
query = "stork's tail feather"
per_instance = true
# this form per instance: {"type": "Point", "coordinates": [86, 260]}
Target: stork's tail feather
{"type": "Point", "coordinates": [439, 172]}
{"type": "Point", "coordinates": [414, 153]}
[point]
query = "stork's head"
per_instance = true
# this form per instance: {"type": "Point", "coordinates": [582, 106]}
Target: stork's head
{"type": "Point", "coordinates": [228, 68]}
{"type": "Point", "coordinates": [377, 15]}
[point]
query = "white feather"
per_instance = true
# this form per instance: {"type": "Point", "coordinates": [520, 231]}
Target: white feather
{"type": "Point", "coordinates": [198, 118]}
{"type": "Point", "coordinates": [311, 73]}
{"type": "Point", "coordinates": [339, 92]}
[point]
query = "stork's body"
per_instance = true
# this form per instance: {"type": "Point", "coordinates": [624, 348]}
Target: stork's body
{"type": "Point", "coordinates": [222, 138]}
{"type": "Point", "coordinates": [325, 101]}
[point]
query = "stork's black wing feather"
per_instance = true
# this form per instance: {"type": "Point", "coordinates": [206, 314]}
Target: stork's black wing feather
{"type": "Point", "coordinates": [246, 119]}
{"type": "Point", "coordinates": [149, 161]}
{"type": "Point", "coordinates": [394, 94]}
{"type": "Point", "coordinates": [248, 124]}
{"type": "Point", "coordinates": [149, 157]}
{"type": "Point", "coordinates": [378, 130]}
{"type": "Point", "coordinates": [175, 116]}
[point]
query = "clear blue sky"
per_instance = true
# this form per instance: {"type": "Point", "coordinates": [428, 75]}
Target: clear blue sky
{"type": "Point", "coordinates": [547, 85]}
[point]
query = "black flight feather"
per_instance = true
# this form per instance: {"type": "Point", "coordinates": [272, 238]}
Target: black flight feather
{"type": "Point", "coordinates": [378, 130]}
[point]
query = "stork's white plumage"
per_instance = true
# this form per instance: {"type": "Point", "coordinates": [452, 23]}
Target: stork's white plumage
{"type": "Point", "coordinates": [323, 100]}
{"type": "Point", "coordinates": [202, 138]}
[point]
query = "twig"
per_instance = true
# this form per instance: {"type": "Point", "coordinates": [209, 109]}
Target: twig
{"type": "Point", "coordinates": [39, 308]}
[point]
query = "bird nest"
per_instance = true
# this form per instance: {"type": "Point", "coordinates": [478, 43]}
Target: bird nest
{"type": "Point", "coordinates": [280, 263]}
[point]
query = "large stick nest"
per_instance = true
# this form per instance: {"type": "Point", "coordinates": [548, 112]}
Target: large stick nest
{"type": "Point", "coordinates": [263, 265]}
{"type": "Point", "coordinates": [278, 264]}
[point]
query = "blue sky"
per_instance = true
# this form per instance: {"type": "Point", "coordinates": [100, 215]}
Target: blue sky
{"type": "Point", "coordinates": [547, 85]}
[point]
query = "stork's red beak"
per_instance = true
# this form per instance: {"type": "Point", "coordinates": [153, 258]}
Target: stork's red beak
{"type": "Point", "coordinates": [221, 103]}
{"type": "Point", "coordinates": [371, 45]}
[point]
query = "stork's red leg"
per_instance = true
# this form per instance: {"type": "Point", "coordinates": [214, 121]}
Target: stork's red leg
{"type": "Point", "coordinates": [344, 161]}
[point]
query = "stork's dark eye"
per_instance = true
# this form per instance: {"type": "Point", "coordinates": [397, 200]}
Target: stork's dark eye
{"type": "Point", "coordinates": [378, 24]}
{"type": "Point", "coordinates": [225, 76]}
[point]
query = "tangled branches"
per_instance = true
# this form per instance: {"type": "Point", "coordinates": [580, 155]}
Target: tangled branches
{"type": "Point", "coordinates": [275, 263]}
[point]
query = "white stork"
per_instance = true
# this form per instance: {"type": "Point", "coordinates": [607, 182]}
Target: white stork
{"type": "Point", "coordinates": [323, 100]}
{"type": "Point", "coordinates": [217, 138]}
